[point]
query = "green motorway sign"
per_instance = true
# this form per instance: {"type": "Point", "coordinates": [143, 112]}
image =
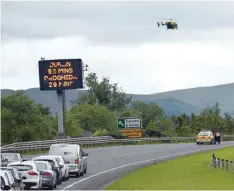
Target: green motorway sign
{"type": "Point", "coordinates": [129, 122]}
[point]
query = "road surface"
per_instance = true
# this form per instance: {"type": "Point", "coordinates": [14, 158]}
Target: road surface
{"type": "Point", "coordinates": [109, 163]}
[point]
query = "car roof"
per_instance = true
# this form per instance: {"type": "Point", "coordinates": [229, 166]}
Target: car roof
{"type": "Point", "coordinates": [56, 156]}
{"type": "Point", "coordinates": [45, 157]}
{"type": "Point", "coordinates": [65, 145]}
{"type": "Point", "coordinates": [41, 161]}
{"type": "Point", "coordinates": [23, 163]}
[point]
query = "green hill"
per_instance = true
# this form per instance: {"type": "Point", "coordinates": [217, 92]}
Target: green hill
{"type": "Point", "coordinates": [173, 102]}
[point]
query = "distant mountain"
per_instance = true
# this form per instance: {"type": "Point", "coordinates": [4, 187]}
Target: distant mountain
{"type": "Point", "coordinates": [173, 102]}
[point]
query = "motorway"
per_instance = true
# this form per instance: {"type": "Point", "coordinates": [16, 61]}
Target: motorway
{"type": "Point", "coordinates": [109, 163]}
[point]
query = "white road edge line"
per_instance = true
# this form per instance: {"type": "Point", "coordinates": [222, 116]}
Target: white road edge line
{"type": "Point", "coordinates": [130, 164]}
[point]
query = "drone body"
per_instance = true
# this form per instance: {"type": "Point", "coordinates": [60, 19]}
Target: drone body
{"type": "Point", "coordinates": [171, 24]}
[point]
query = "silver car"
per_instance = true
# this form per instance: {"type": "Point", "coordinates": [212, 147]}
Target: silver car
{"type": "Point", "coordinates": [73, 154]}
{"type": "Point", "coordinates": [17, 178]}
{"type": "Point", "coordinates": [49, 179]}
{"type": "Point", "coordinates": [12, 157]}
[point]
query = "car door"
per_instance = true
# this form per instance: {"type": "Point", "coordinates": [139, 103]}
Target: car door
{"type": "Point", "coordinates": [82, 159]}
{"type": "Point", "coordinates": [10, 178]}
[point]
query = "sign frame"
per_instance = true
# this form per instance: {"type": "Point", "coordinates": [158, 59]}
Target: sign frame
{"type": "Point", "coordinates": [76, 65]}
{"type": "Point", "coordinates": [124, 118]}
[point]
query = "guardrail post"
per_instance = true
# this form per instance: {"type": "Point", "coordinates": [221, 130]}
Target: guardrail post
{"type": "Point", "coordinates": [222, 162]}
{"type": "Point", "coordinates": [226, 164]}
{"type": "Point", "coordinates": [218, 162]}
{"type": "Point", "coordinates": [231, 166]}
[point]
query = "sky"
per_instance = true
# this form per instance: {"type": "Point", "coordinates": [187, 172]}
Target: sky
{"type": "Point", "coordinates": [121, 40]}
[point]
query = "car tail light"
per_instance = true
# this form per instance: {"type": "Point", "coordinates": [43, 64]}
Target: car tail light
{"type": "Point", "coordinates": [47, 174]}
{"type": "Point", "coordinates": [77, 161]}
{"type": "Point", "coordinates": [32, 173]}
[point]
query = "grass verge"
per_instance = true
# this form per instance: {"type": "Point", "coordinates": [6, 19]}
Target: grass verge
{"type": "Point", "coordinates": [184, 173]}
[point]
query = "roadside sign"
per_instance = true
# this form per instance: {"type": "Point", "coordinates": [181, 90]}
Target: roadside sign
{"type": "Point", "coordinates": [129, 122]}
{"type": "Point", "coordinates": [131, 133]}
{"type": "Point", "coordinates": [62, 74]}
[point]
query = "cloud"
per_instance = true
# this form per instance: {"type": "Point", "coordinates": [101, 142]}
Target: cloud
{"type": "Point", "coordinates": [143, 68]}
{"type": "Point", "coordinates": [121, 40]}
{"type": "Point", "coordinates": [113, 22]}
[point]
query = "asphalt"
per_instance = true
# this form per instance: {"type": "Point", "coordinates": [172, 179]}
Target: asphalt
{"type": "Point", "coordinates": [110, 163]}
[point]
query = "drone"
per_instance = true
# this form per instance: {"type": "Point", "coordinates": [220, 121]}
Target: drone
{"type": "Point", "coordinates": [171, 24]}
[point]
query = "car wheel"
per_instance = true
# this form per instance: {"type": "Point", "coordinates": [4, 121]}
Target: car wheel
{"type": "Point", "coordinates": [78, 174]}
{"type": "Point", "coordinates": [82, 173]}
{"type": "Point", "coordinates": [64, 178]}
{"type": "Point", "coordinates": [51, 187]}
{"type": "Point", "coordinates": [68, 176]}
{"type": "Point", "coordinates": [55, 184]}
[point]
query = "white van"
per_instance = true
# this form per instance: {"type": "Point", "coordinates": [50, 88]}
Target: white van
{"type": "Point", "coordinates": [75, 157]}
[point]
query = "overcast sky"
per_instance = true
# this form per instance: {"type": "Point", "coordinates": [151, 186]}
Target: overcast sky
{"type": "Point", "coordinates": [121, 40]}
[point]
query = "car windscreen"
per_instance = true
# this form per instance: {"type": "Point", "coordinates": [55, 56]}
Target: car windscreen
{"type": "Point", "coordinates": [52, 163]}
{"type": "Point", "coordinates": [63, 151]}
{"type": "Point", "coordinates": [204, 134]}
{"type": "Point", "coordinates": [41, 165]}
{"type": "Point", "coordinates": [10, 156]}
{"type": "Point", "coordinates": [22, 167]}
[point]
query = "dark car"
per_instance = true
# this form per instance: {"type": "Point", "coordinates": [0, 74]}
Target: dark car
{"type": "Point", "coordinates": [55, 166]}
{"type": "Point", "coordinates": [17, 178]}
{"type": "Point", "coordinates": [49, 178]}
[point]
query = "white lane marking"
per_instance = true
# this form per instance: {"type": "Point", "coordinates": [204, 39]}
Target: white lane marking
{"type": "Point", "coordinates": [126, 165]}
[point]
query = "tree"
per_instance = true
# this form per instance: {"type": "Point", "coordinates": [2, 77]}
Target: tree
{"type": "Point", "coordinates": [167, 128]}
{"type": "Point", "coordinates": [149, 112]}
{"type": "Point", "coordinates": [91, 118]}
{"type": "Point", "coordinates": [24, 120]}
{"type": "Point", "coordinates": [104, 93]}
{"type": "Point", "coordinates": [130, 113]}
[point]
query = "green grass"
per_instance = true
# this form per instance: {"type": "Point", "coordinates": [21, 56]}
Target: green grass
{"type": "Point", "coordinates": [184, 173]}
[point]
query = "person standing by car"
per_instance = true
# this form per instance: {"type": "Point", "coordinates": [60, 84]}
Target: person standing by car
{"type": "Point", "coordinates": [217, 137]}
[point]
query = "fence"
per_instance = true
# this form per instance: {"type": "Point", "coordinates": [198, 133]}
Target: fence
{"type": "Point", "coordinates": [222, 163]}
{"type": "Point", "coordinates": [96, 141]}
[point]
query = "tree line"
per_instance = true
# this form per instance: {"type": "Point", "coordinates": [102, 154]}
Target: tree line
{"type": "Point", "coordinates": [97, 111]}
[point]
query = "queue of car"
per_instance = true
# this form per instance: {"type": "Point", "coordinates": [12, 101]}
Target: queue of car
{"type": "Point", "coordinates": [46, 171]}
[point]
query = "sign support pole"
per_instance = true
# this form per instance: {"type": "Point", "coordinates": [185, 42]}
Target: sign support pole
{"type": "Point", "coordinates": [61, 113]}
{"type": "Point", "coordinates": [49, 71]}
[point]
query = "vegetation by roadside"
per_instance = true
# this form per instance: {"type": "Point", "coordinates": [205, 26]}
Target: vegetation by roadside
{"type": "Point", "coordinates": [184, 173]}
{"type": "Point", "coordinates": [97, 111]}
